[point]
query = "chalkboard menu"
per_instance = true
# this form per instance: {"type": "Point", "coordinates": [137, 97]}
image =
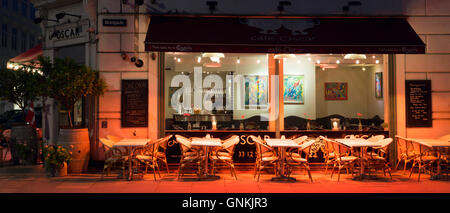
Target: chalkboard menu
{"type": "Point", "coordinates": [418, 103]}
{"type": "Point", "coordinates": [134, 103]}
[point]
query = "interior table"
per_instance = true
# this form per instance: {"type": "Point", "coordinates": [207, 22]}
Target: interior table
{"type": "Point", "coordinates": [437, 146]}
{"type": "Point", "coordinates": [282, 144]}
{"type": "Point", "coordinates": [131, 145]}
{"type": "Point", "coordinates": [206, 143]}
{"type": "Point", "coordinates": [362, 144]}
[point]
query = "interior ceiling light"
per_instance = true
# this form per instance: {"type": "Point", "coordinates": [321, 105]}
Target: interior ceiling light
{"type": "Point", "coordinates": [215, 57]}
{"type": "Point", "coordinates": [355, 56]}
{"type": "Point", "coordinates": [212, 64]}
{"type": "Point", "coordinates": [284, 56]}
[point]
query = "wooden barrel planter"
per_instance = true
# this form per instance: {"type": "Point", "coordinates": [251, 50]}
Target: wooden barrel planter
{"type": "Point", "coordinates": [79, 139]}
{"type": "Point", "coordinates": [24, 135]}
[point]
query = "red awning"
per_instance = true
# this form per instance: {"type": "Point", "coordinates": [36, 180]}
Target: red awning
{"type": "Point", "coordinates": [283, 35]}
{"type": "Point", "coordinates": [28, 56]}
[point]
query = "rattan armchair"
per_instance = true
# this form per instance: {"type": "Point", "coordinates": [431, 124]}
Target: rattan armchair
{"type": "Point", "coordinates": [342, 159]}
{"type": "Point", "coordinates": [112, 157]}
{"type": "Point", "coordinates": [146, 156]}
{"type": "Point", "coordinates": [424, 158]}
{"type": "Point", "coordinates": [189, 155]}
{"type": "Point", "coordinates": [300, 140]}
{"type": "Point", "coordinates": [328, 154]}
{"type": "Point", "coordinates": [405, 152]}
{"type": "Point", "coordinates": [378, 158]}
{"type": "Point", "coordinates": [263, 159]}
{"type": "Point", "coordinates": [225, 154]}
{"type": "Point", "coordinates": [295, 159]}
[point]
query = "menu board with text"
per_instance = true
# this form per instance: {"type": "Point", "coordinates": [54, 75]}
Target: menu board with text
{"type": "Point", "coordinates": [134, 103]}
{"type": "Point", "coordinates": [418, 103]}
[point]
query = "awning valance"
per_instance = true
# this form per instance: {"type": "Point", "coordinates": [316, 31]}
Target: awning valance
{"type": "Point", "coordinates": [282, 35]}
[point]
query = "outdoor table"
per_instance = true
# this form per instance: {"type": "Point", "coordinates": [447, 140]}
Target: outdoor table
{"type": "Point", "coordinates": [206, 143]}
{"type": "Point", "coordinates": [362, 144]}
{"type": "Point", "coordinates": [282, 144]}
{"type": "Point", "coordinates": [131, 145]}
{"type": "Point", "coordinates": [436, 145]}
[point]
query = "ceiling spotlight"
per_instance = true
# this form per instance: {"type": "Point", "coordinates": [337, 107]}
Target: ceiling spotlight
{"type": "Point", "coordinates": [318, 61]}
{"type": "Point", "coordinates": [199, 59]}
{"type": "Point", "coordinates": [238, 60]}
{"type": "Point", "coordinates": [364, 69]}
{"type": "Point", "coordinates": [357, 61]}
{"type": "Point", "coordinates": [258, 61]}
{"type": "Point", "coordinates": [179, 60]}
{"type": "Point", "coordinates": [309, 58]}
{"type": "Point", "coordinates": [377, 61]}
{"type": "Point", "coordinates": [373, 56]}
{"type": "Point", "coordinates": [338, 62]}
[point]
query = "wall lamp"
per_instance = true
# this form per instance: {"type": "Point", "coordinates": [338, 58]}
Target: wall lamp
{"type": "Point", "coordinates": [62, 14]}
{"type": "Point", "coordinates": [39, 20]}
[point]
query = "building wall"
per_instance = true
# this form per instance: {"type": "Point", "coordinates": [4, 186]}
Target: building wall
{"type": "Point", "coordinates": [430, 19]}
{"type": "Point", "coordinates": [24, 23]}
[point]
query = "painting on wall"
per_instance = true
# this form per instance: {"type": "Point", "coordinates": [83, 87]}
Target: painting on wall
{"type": "Point", "coordinates": [294, 90]}
{"type": "Point", "coordinates": [379, 85]}
{"type": "Point", "coordinates": [256, 90]}
{"type": "Point", "coordinates": [336, 91]}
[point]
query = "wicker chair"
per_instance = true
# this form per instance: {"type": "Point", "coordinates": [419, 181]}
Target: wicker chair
{"type": "Point", "coordinates": [300, 140]}
{"type": "Point", "coordinates": [112, 156]}
{"type": "Point", "coordinates": [146, 156]}
{"type": "Point", "coordinates": [264, 160]}
{"type": "Point", "coordinates": [329, 154]}
{"type": "Point", "coordinates": [405, 152]}
{"type": "Point", "coordinates": [225, 154]}
{"type": "Point", "coordinates": [295, 159]}
{"type": "Point", "coordinates": [160, 152]}
{"type": "Point", "coordinates": [424, 158]}
{"type": "Point", "coordinates": [342, 159]}
{"type": "Point", "coordinates": [378, 158]}
{"type": "Point", "coordinates": [376, 138]}
{"type": "Point", "coordinates": [189, 155]}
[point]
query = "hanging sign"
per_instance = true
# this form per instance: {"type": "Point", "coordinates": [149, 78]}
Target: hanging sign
{"type": "Point", "coordinates": [114, 22]}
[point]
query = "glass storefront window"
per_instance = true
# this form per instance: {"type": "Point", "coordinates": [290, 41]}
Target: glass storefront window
{"type": "Point", "coordinates": [231, 91]}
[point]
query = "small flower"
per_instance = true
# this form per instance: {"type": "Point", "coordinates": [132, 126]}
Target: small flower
{"type": "Point", "coordinates": [243, 116]}
{"type": "Point", "coordinates": [359, 114]}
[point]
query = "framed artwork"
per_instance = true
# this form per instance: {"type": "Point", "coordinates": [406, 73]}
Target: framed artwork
{"type": "Point", "coordinates": [256, 90]}
{"type": "Point", "coordinates": [336, 91]}
{"type": "Point", "coordinates": [378, 85]}
{"type": "Point", "coordinates": [294, 89]}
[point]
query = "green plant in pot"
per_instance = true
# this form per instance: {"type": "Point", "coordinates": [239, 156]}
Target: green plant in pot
{"type": "Point", "coordinates": [21, 87]}
{"type": "Point", "coordinates": [68, 82]}
{"type": "Point", "coordinates": [56, 159]}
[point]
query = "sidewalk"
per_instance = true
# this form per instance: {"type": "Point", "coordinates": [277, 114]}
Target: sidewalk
{"type": "Point", "coordinates": [33, 179]}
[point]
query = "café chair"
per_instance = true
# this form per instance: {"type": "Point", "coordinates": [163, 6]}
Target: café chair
{"type": "Point", "coordinates": [295, 159]}
{"type": "Point", "coordinates": [328, 154]}
{"type": "Point", "coordinates": [160, 152]}
{"type": "Point", "coordinates": [262, 161]}
{"type": "Point", "coordinates": [405, 152]}
{"type": "Point", "coordinates": [342, 158]}
{"type": "Point", "coordinates": [189, 155]}
{"type": "Point", "coordinates": [225, 154]}
{"type": "Point", "coordinates": [112, 156]}
{"type": "Point", "coordinates": [146, 156]}
{"type": "Point", "coordinates": [424, 158]}
{"type": "Point", "coordinates": [378, 158]}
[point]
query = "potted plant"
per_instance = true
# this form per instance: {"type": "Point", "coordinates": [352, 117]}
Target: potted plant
{"type": "Point", "coordinates": [56, 159]}
{"type": "Point", "coordinates": [21, 87]}
{"type": "Point", "coordinates": [67, 83]}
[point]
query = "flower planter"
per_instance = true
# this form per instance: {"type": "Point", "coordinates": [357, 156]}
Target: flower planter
{"type": "Point", "coordinates": [58, 171]}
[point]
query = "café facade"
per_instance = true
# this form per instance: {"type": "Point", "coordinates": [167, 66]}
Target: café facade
{"type": "Point", "coordinates": [268, 69]}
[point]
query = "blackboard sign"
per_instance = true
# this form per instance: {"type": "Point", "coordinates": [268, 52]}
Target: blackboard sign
{"type": "Point", "coordinates": [134, 112]}
{"type": "Point", "coordinates": [418, 103]}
